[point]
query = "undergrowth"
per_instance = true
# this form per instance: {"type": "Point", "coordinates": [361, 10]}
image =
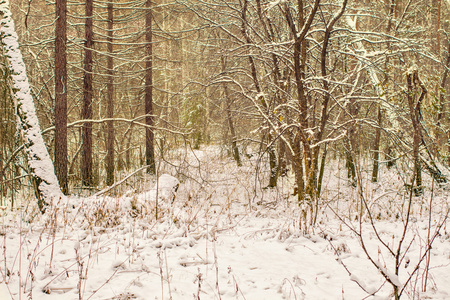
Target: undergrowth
{"type": "Point", "coordinates": [57, 250]}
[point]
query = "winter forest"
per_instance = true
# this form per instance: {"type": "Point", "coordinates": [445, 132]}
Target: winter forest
{"type": "Point", "coordinates": [224, 149]}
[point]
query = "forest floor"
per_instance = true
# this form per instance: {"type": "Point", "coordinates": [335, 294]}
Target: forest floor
{"type": "Point", "coordinates": [226, 236]}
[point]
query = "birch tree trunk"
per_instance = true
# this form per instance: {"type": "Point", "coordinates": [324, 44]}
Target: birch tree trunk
{"type": "Point", "coordinates": [41, 166]}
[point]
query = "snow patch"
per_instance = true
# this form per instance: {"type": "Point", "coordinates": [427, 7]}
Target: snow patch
{"type": "Point", "coordinates": [165, 189]}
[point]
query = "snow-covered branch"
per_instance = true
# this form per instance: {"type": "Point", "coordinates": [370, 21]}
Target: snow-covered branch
{"type": "Point", "coordinates": [373, 77]}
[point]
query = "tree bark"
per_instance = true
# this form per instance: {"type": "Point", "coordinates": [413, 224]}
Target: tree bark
{"type": "Point", "coordinates": [436, 21]}
{"type": "Point", "coordinates": [86, 162]}
{"type": "Point", "coordinates": [39, 162]}
{"type": "Point", "coordinates": [350, 162]}
{"type": "Point", "coordinates": [61, 95]}
{"type": "Point", "coordinates": [297, 166]}
{"type": "Point", "coordinates": [377, 142]}
{"type": "Point", "coordinates": [311, 187]}
{"type": "Point", "coordinates": [228, 103]}
{"type": "Point", "coordinates": [376, 147]}
{"type": "Point", "coordinates": [4, 104]}
{"type": "Point", "coordinates": [2, 134]}
{"type": "Point", "coordinates": [149, 119]}
{"type": "Point", "coordinates": [414, 111]}
{"type": "Point", "coordinates": [299, 72]}
{"type": "Point", "coordinates": [110, 100]}
{"type": "Point", "coordinates": [441, 112]}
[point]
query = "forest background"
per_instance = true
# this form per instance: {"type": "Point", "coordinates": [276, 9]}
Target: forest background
{"type": "Point", "coordinates": [128, 90]}
{"type": "Point", "coordinates": [300, 81]}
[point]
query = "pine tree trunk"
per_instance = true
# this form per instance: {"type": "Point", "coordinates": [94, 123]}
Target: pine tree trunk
{"type": "Point", "coordinates": [39, 162]}
{"type": "Point", "coordinates": [61, 95]}
{"type": "Point", "coordinates": [436, 21]}
{"type": "Point", "coordinates": [86, 162]}
{"type": "Point", "coordinates": [110, 102]}
{"type": "Point", "coordinates": [149, 119]}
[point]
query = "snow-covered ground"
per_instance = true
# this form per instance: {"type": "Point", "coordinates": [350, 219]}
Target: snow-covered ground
{"type": "Point", "coordinates": [226, 237]}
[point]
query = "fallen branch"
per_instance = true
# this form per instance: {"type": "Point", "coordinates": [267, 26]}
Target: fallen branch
{"type": "Point", "coordinates": [105, 190]}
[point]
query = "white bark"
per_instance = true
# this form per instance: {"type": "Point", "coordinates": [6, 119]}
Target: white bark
{"type": "Point", "coordinates": [39, 162]}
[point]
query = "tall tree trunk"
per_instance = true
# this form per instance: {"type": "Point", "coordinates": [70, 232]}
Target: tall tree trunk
{"type": "Point", "coordinates": [273, 164]}
{"type": "Point", "coordinates": [4, 113]}
{"type": "Point", "coordinates": [438, 27]}
{"type": "Point", "coordinates": [414, 111]}
{"type": "Point", "coordinates": [297, 166]}
{"type": "Point", "coordinates": [350, 144]}
{"type": "Point", "coordinates": [280, 165]}
{"type": "Point", "coordinates": [39, 162]}
{"type": "Point", "coordinates": [311, 187]}
{"type": "Point", "coordinates": [441, 113]}
{"type": "Point", "coordinates": [149, 119]}
{"type": "Point", "coordinates": [436, 21]}
{"type": "Point", "coordinates": [2, 134]}
{"type": "Point", "coordinates": [271, 150]}
{"type": "Point", "coordinates": [86, 162]}
{"type": "Point", "coordinates": [234, 147]}
{"type": "Point", "coordinates": [61, 95]}
{"type": "Point", "coordinates": [110, 101]}
{"type": "Point", "coordinates": [376, 147]}
{"type": "Point", "coordinates": [350, 162]}
{"type": "Point", "coordinates": [377, 142]}
{"type": "Point", "coordinates": [299, 69]}
{"type": "Point", "coordinates": [228, 102]}
{"type": "Point", "coordinates": [321, 172]}
{"type": "Point", "coordinates": [282, 162]}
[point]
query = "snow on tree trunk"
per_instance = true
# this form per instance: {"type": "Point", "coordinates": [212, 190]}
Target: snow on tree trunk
{"type": "Point", "coordinates": [39, 162]}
